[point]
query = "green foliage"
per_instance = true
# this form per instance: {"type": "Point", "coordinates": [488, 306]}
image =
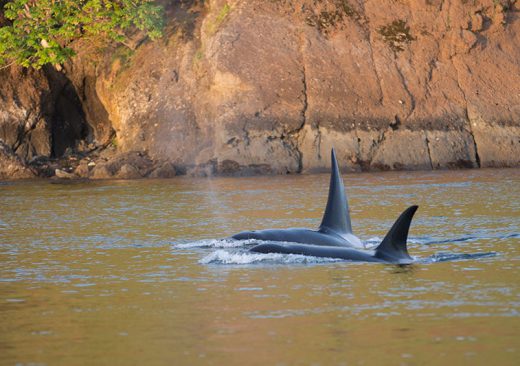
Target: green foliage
{"type": "Point", "coordinates": [40, 31]}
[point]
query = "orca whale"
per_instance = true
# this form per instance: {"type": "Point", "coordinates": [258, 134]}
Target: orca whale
{"type": "Point", "coordinates": [335, 229]}
{"type": "Point", "coordinates": [393, 249]}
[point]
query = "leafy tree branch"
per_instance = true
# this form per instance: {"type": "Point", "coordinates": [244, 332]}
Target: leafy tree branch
{"type": "Point", "coordinates": [39, 32]}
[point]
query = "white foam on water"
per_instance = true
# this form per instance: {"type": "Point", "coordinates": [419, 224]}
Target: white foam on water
{"type": "Point", "coordinates": [233, 243]}
{"type": "Point", "coordinates": [216, 243]}
{"type": "Point", "coordinates": [372, 242]}
{"type": "Point", "coordinates": [225, 257]}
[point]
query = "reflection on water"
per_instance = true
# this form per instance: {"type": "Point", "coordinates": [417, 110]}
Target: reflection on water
{"type": "Point", "coordinates": [136, 273]}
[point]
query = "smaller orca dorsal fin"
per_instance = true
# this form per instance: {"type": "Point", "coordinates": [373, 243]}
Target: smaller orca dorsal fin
{"type": "Point", "coordinates": [336, 216]}
{"type": "Point", "coordinates": [393, 247]}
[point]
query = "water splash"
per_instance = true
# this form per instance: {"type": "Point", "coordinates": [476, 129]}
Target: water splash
{"type": "Point", "coordinates": [216, 243]}
{"type": "Point", "coordinates": [242, 256]}
{"type": "Point", "coordinates": [226, 257]}
{"type": "Point", "coordinates": [245, 257]}
{"type": "Point", "coordinates": [233, 243]}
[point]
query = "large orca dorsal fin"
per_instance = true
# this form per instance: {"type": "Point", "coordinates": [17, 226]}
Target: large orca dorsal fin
{"type": "Point", "coordinates": [393, 248]}
{"type": "Point", "coordinates": [336, 216]}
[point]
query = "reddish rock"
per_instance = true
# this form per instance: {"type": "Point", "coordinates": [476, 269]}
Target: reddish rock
{"type": "Point", "coordinates": [62, 174]}
{"type": "Point", "coordinates": [278, 84]}
{"type": "Point", "coordinates": [102, 171]}
{"type": "Point", "coordinates": [11, 166]}
{"type": "Point", "coordinates": [25, 102]}
{"type": "Point", "coordinates": [477, 22]}
{"type": "Point", "coordinates": [451, 149]}
{"type": "Point", "coordinates": [82, 170]}
{"type": "Point", "coordinates": [128, 171]}
{"type": "Point", "coordinates": [164, 170]}
{"type": "Point", "coordinates": [403, 149]}
{"type": "Point", "coordinates": [269, 87]}
{"type": "Point", "coordinates": [498, 145]}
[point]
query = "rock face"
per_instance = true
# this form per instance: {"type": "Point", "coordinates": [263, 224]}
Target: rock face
{"type": "Point", "coordinates": [11, 166]}
{"type": "Point", "coordinates": [40, 115]}
{"type": "Point", "coordinates": [262, 87]}
{"type": "Point", "coordinates": [25, 102]}
{"type": "Point", "coordinates": [131, 165]}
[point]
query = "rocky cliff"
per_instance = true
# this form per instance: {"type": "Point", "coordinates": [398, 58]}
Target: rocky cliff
{"type": "Point", "coordinates": [254, 86]}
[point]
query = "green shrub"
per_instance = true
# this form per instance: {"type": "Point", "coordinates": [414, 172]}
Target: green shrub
{"type": "Point", "coordinates": [40, 32]}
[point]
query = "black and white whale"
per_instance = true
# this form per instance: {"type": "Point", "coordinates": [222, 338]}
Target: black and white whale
{"type": "Point", "coordinates": [335, 229]}
{"type": "Point", "coordinates": [393, 249]}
